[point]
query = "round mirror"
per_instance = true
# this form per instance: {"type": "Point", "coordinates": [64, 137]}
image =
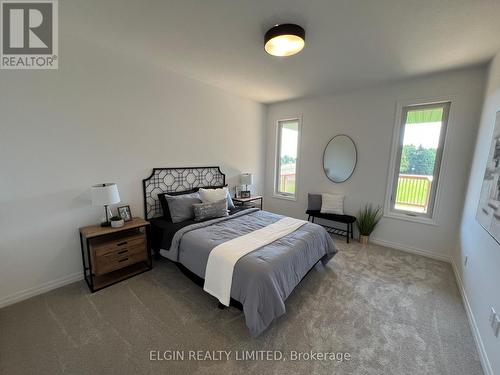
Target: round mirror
{"type": "Point", "coordinates": [339, 158]}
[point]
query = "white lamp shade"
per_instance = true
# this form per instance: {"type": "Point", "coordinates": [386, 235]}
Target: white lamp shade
{"type": "Point", "coordinates": [246, 179]}
{"type": "Point", "coordinates": [104, 194]}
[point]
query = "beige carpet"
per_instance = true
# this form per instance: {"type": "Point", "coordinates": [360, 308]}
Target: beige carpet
{"type": "Point", "coordinates": [394, 313]}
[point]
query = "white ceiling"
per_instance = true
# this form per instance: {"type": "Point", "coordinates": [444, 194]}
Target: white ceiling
{"type": "Point", "coordinates": [349, 43]}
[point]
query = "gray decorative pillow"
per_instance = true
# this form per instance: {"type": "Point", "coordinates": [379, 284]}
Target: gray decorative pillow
{"type": "Point", "coordinates": [181, 206]}
{"type": "Point", "coordinates": [314, 202]}
{"type": "Point", "coordinates": [211, 210]}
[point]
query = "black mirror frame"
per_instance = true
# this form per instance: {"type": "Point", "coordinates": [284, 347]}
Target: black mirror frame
{"type": "Point", "coordinates": [355, 162]}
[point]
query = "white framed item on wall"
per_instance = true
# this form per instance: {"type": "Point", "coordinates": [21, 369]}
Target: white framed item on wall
{"type": "Point", "coordinates": [488, 210]}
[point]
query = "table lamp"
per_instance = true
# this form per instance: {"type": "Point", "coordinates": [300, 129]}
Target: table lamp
{"type": "Point", "coordinates": [104, 195]}
{"type": "Point", "coordinates": [246, 179]}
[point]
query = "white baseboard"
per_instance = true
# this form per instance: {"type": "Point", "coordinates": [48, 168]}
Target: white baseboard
{"type": "Point", "coordinates": [485, 362]}
{"type": "Point", "coordinates": [43, 288]}
{"type": "Point", "coordinates": [412, 250]}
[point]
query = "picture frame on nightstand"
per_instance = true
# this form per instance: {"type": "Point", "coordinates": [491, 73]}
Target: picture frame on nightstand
{"type": "Point", "coordinates": [125, 213]}
{"type": "Point", "coordinates": [245, 194]}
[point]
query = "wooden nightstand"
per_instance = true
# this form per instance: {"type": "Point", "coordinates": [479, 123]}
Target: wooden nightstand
{"type": "Point", "coordinates": [111, 255]}
{"type": "Point", "coordinates": [244, 201]}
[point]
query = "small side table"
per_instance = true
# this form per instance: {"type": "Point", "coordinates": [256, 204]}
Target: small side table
{"type": "Point", "coordinates": [110, 255]}
{"type": "Point", "coordinates": [244, 201]}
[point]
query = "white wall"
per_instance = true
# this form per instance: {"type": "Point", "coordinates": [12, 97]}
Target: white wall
{"type": "Point", "coordinates": [103, 116]}
{"type": "Point", "coordinates": [368, 116]}
{"type": "Point", "coordinates": [480, 279]}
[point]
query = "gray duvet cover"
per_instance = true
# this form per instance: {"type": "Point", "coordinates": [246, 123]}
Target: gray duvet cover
{"type": "Point", "coordinates": [264, 278]}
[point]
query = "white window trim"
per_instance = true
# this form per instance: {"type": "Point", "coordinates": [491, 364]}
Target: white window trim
{"type": "Point", "coordinates": [276, 194]}
{"type": "Point", "coordinates": [388, 212]}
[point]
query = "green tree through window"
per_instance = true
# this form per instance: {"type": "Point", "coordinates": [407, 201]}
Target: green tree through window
{"type": "Point", "coordinates": [287, 159]}
{"type": "Point", "coordinates": [417, 160]}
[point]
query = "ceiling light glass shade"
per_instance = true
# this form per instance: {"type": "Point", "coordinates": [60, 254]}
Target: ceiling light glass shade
{"type": "Point", "coordinates": [284, 40]}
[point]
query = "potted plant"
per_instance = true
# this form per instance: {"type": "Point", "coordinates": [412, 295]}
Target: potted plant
{"type": "Point", "coordinates": [368, 219]}
{"type": "Point", "coordinates": [116, 222]}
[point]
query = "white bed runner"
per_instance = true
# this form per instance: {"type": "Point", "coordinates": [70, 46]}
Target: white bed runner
{"type": "Point", "coordinates": [223, 258]}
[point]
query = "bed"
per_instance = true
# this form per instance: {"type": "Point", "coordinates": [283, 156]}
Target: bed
{"type": "Point", "coordinates": [263, 278]}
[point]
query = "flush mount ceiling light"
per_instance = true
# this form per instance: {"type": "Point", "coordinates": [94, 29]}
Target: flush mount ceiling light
{"type": "Point", "coordinates": [284, 40]}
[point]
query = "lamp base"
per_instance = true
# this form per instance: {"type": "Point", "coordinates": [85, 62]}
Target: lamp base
{"type": "Point", "coordinates": [106, 223]}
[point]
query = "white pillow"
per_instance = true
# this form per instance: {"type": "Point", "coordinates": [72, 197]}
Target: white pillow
{"type": "Point", "coordinates": [212, 195]}
{"type": "Point", "coordinates": [332, 204]}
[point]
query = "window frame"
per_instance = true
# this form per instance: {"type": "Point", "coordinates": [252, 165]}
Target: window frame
{"type": "Point", "coordinates": [403, 107]}
{"type": "Point", "coordinates": [277, 162]}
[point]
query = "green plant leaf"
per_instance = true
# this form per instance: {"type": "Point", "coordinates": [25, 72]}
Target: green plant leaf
{"type": "Point", "coordinates": [368, 219]}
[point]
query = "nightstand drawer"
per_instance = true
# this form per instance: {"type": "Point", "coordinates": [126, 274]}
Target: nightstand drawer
{"type": "Point", "coordinates": [136, 241]}
{"type": "Point", "coordinates": [114, 261]}
{"type": "Point", "coordinates": [114, 253]}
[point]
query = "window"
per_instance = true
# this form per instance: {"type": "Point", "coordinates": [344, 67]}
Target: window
{"type": "Point", "coordinates": [287, 158]}
{"type": "Point", "coordinates": [417, 162]}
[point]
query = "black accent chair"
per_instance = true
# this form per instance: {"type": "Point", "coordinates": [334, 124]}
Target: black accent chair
{"type": "Point", "coordinates": [314, 211]}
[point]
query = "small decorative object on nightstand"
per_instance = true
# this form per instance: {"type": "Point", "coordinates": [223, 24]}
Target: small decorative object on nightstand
{"type": "Point", "coordinates": [243, 201]}
{"type": "Point", "coordinates": [117, 222]}
{"type": "Point", "coordinates": [111, 255]}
